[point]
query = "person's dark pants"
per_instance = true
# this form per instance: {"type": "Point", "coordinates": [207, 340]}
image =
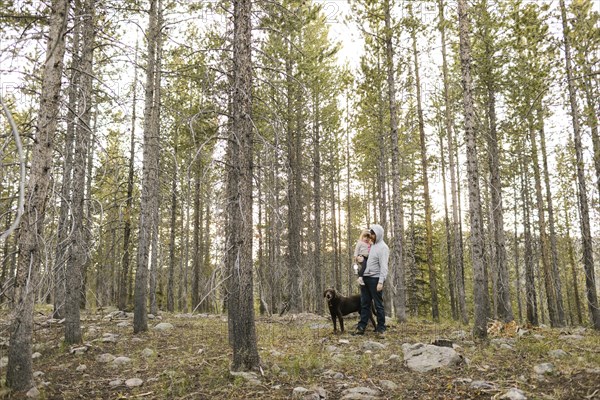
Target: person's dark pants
{"type": "Point", "coordinates": [363, 266]}
{"type": "Point", "coordinates": [368, 294]}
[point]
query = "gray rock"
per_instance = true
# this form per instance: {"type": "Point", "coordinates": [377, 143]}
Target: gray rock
{"type": "Point", "coordinates": [373, 346]}
{"type": "Point", "coordinates": [78, 350]}
{"type": "Point", "coordinates": [81, 368]}
{"type": "Point", "coordinates": [151, 316]}
{"type": "Point", "coordinates": [514, 394]}
{"type": "Point", "coordinates": [36, 355]}
{"type": "Point", "coordinates": [331, 349]}
{"type": "Point", "coordinates": [105, 358]}
{"type": "Point", "coordinates": [506, 346]}
{"type": "Point", "coordinates": [148, 352]}
{"type": "Point", "coordinates": [559, 353]}
{"type": "Point", "coordinates": [344, 341]}
{"type": "Point", "coordinates": [482, 385]}
{"type": "Point", "coordinates": [116, 382]}
{"type": "Point", "coordinates": [545, 368]}
{"type": "Point", "coordinates": [110, 338]}
{"type": "Point", "coordinates": [33, 393]}
{"type": "Point", "coordinates": [538, 336]}
{"type": "Point", "coordinates": [38, 374]}
{"type": "Point", "coordinates": [338, 376]}
{"type": "Point", "coordinates": [359, 393]}
{"type": "Point", "coordinates": [123, 324]}
{"type": "Point", "coordinates": [299, 392]}
{"type": "Point", "coordinates": [134, 382]}
{"type": "Point", "coordinates": [572, 337]}
{"type": "Point", "coordinates": [120, 361]}
{"type": "Point", "coordinates": [163, 326]}
{"type": "Point", "coordinates": [249, 377]}
{"type": "Point", "coordinates": [394, 358]}
{"type": "Point", "coordinates": [388, 385]}
{"type": "Point", "coordinates": [3, 362]}
{"type": "Point", "coordinates": [425, 357]}
{"type": "Point", "coordinates": [137, 340]}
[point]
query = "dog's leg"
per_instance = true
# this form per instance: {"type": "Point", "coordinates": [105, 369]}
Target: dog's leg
{"type": "Point", "coordinates": [333, 318]}
{"type": "Point", "coordinates": [341, 322]}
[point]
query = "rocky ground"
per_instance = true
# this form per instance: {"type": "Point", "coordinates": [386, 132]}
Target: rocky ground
{"type": "Point", "coordinates": [188, 357]}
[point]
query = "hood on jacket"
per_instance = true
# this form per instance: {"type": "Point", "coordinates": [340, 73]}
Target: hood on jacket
{"type": "Point", "coordinates": [378, 230]}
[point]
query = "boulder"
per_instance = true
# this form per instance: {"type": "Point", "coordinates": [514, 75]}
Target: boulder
{"type": "Point", "coordinates": [163, 326]}
{"type": "Point", "coordinates": [514, 394]}
{"type": "Point", "coordinates": [134, 382]}
{"type": "Point", "coordinates": [426, 357]}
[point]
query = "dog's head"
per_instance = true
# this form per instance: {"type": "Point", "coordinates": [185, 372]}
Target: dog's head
{"type": "Point", "coordinates": [330, 294]}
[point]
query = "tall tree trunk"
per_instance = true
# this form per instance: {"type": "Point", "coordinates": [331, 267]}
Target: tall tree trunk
{"type": "Point", "coordinates": [171, 281]}
{"type": "Point", "coordinates": [19, 374]}
{"type": "Point", "coordinates": [294, 212]}
{"type": "Point", "coordinates": [551, 223]}
{"type": "Point", "coordinates": [544, 242]}
{"type": "Point", "coordinates": [503, 303]}
{"type": "Point", "coordinates": [588, 254]}
{"type": "Point", "coordinates": [449, 258]}
{"type": "Point", "coordinates": [245, 352]}
{"type": "Point", "coordinates": [435, 313]}
{"type": "Point", "coordinates": [197, 241]}
{"type": "Point", "coordinates": [154, 272]}
{"type": "Point", "coordinates": [571, 253]}
{"type": "Point", "coordinates": [398, 214]}
{"type": "Point", "coordinates": [457, 246]}
{"type": "Point", "coordinates": [150, 186]}
{"type": "Point", "coordinates": [516, 253]}
{"type": "Point", "coordinates": [77, 256]}
{"type": "Point", "coordinates": [123, 282]}
{"type": "Point", "coordinates": [480, 293]}
{"type": "Point", "coordinates": [317, 263]}
{"type": "Point", "coordinates": [530, 292]}
{"type": "Point", "coordinates": [64, 228]}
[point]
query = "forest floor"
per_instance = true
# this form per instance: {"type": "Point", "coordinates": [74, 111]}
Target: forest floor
{"type": "Point", "coordinates": [192, 361]}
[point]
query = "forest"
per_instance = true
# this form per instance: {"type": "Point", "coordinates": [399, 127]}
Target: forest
{"type": "Point", "coordinates": [193, 175]}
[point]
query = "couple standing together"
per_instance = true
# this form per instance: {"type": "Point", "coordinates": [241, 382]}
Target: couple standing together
{"type": "Point", "coordinates": [372, 254]}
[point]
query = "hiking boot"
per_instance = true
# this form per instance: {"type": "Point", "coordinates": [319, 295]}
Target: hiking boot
{"type": "Point", "coordinates": [359, 331]}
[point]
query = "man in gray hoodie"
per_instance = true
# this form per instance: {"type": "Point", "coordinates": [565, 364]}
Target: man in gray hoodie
{"type": "Point", "coordinates": [374, 276]}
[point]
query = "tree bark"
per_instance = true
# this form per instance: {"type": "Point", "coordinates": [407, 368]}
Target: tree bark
{"type": "Point", "coordinates": [19, 374]}
{"type": "Point", "coordinates": [317, 264]}
{"type": "Point", "coordinates": [294, 211]}
{"type": "Point", "coordinates": [78, 253]}
{"type": "Point", "coordinates": [457, 246]}
{"type": "Point", "coordinates": [149, 195]}
{"type": "Point", "coordinates": [398, 214]}
{"type": "Point", "coordinates": [123, 282]}
{"type": "Point", "coordinates": [63, 229]}
{"type": "Point", "coordinates": [435, 313]}
{"type": "Point", "coordinates": [588, 254]}
{"type": "Point", "coordinates": [530, 292]}
{"type": "Point", "coordinates": [480, 293]}
{"type": "Point", "coordinates": [503, 303]}
{"type": "Point", "coordinates": [171, 280]}
{"type": "Point", "coordinates": [551, 223]}
{"type": "Point", "coordinates": [245, 352]}
{"type": "Point", "coordinates": [571, 254]}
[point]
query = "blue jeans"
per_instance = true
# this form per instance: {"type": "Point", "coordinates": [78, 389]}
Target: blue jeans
{"type": "Point", "coordinates": [368, 294]}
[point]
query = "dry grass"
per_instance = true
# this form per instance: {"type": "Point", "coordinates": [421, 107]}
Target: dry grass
{"type": "Point", "coordinates": [192, 362]}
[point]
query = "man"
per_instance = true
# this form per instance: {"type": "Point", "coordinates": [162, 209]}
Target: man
{"type": "Point", "coordinates": [374, 277]}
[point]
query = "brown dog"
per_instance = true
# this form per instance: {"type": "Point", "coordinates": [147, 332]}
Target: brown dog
{"type": "Point", "coordinates": [340, 305]}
